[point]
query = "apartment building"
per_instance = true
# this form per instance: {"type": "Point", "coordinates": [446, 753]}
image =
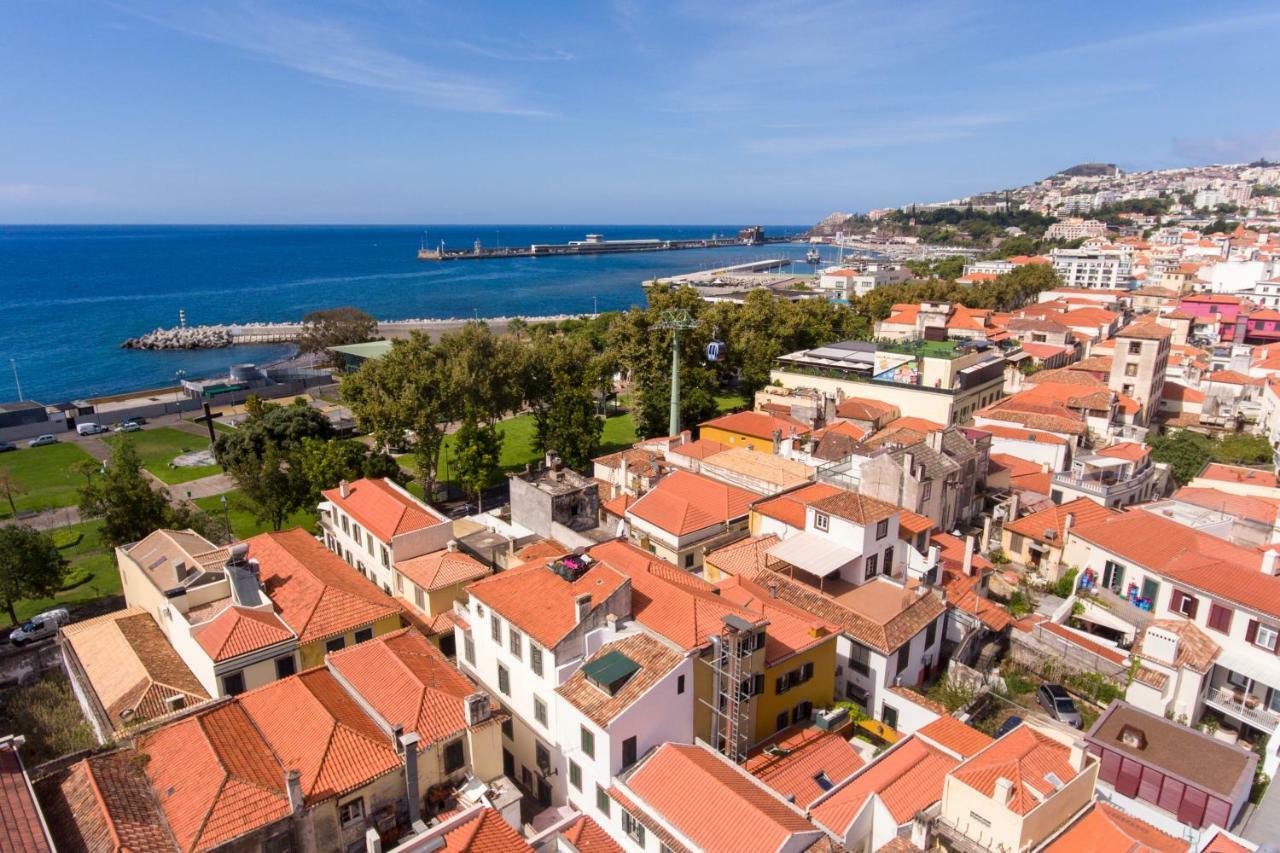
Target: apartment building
{"type": "Point", "coordinates": [428, 586]}
{"type": "Point", "coordinates": [374, 523]}
{"type": "Point", "coordinates": [943, 381]}
{"type": "Point", "coordinates": [1116, 476]}
{"type": "Point", "coordinates": [1139, 365]}
{"type": "Point", "coordinates": [941, 478]}
{"type": "Point", "coordinates": [685, 514]}
{"type": "Point", "coordinates": [1075, 228]}
{"type": "Point", "coordinates": [1092, 269]}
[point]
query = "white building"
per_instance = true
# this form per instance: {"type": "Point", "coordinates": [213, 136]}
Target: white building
{"type": "Point", "coordinates": [1092, 268]}
{"type": "Point", "coordinates": [1075, 228]}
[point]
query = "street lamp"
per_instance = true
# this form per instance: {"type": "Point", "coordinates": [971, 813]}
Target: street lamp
{"type": "Point", "coordinates": [226, 517]}
{"type": "Point", "coordinates": [177, 395]}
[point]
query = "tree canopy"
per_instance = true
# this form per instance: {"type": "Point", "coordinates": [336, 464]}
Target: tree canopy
{"type": "Point", "coordinates": [335, 327]}
{"type": "Point", "coordinates": [30, 566]}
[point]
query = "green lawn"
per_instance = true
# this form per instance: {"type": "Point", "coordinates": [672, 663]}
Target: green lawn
{"type": "Point", "coordinates": [730, 402]}
{"type": "Point", "coordinates": [243, 522]}
{"type": "Point", "coordinates": [157, 448]}
{"type": "Point", "coordinates": [93, 563]}
{"type": "Point", "coordinates": [42, 476]}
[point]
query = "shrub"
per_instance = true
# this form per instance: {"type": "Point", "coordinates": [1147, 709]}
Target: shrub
{"type": "Point", "coordinates": [1066, 585]}
{"type": "Point", "coordinates": [65, 538]}
{"type": "Point", "coordinates": [75, 578]}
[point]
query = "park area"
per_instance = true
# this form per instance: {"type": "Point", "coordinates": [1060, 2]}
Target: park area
{"type": "Point", "coordinates": [41, 478]}
{"type": "Point", "coordinates": [157, 448]}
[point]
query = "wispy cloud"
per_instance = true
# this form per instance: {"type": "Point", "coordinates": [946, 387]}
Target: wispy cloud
{"type": "Point", "coordinates": [1239, 148]}
{"type": "Point", "coordinates": [1199, 30]}
{"type": "Point", "coordinates": [924, 129]}
{"type": "Point", "coordinates": [45, 194]}
{"type": "Point", "coordinates": [510, 51]}
{"type": "Point", "coordinates": [330, 50]}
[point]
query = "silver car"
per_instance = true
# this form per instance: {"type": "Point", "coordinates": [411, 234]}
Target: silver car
{"type": "Point", "coordinates": [1057, 703]}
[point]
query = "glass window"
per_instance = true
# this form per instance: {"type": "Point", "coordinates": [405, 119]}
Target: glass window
{"type": "Point", "coordinates": [930, 634]}
{"type": "Point", "coordinates": [602, 801]}
{"type": "Point", "coordinates": [233, 684]}
{"type": "Point", "coordinates": [337, 644]}
{"type": "Point", "coordinates": [781, 722]}
{"type": "Point", "coordinates": [628, 752]}
{"type": "Point", "coordinates": [540, 711]}
{"type": "Point", "coordinates": [633, 828]}
{"type": "Point", "coordinates": [588, 742]}
{"type": "Point", "coordinates": [495, 627]}
{"type": "Point", "coordinates": [509, 729]}
{"type": "Point", "coordinates": [679, 684]}
{"type": "Point", "coordinates": [285, 666]}
{"type": "Point", "coordinates": [575, 776]}
{"type": "Point", "coordinates": [454, 757]}
{"type": "Point", "coordinates": [504, 681]}
{"type": "Point", "coordinates": [535, 659]}
{"type": "Point", "coordinates": [904, 657]}
{"type": "Point", "coordinates": [821, 520]}
{"type": "Point", "coordinates": [469, 648]}
{"type": "Point", "coordinates": [515, 640]}
{"type": "Point", "coordinates": [351, 812]}
{"type": "Point", "coordinates": [873, 566]}
{"type": "Point", "coordinates": [882, 529]}
{"type": "Point", "coordinates": [386, 558]}
{"type": "Point", "coordinates": [1266, 637]}
{"type": "Point", "coordinates": [926, 491]}
{"type": "Point", "coordinates": [364, 635]}
{"type": "Point", "coordinates": [419, 597]}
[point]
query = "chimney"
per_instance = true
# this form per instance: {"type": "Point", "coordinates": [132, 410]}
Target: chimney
{"type": "Point", "coordinates": [452, 546]}
{"type": "Point", "coordinates": [174, 703]}
{"type": "Point", "coordinates": [934, 440]}
{"type": "Point", "coordinates": [908, 464]}
{"type": "Point", "coordinates": [1004, 787]}
{"type": "Point", "coordinates": [293, 785]}
{"type": "Point", "coordinates": [968, 557]}
{"type": "Point", "coordinates": [581, 607]}
{"type": "Point", "coordinates": [1076, 757]}
{"type": "Point", "coordinates": [773, 589]}
{"type": "Point", "coordinates": [409, 745]}
{"type": "Point", "coordinates": [1067, 524]}
{"type": "Point", "coordinates": [611, 624]}
{"type": "Point", "coordinates": [1269, 558]}
{"type": "Point", "coordinates": [777, 441]}
{"type": "Point", "coordinates": [686, 436]}
{"type": "Point", "coordinates": [344, 488]}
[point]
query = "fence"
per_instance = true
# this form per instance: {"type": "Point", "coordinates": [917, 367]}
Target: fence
{"type": "Point", "coordinates": [1054, 658]}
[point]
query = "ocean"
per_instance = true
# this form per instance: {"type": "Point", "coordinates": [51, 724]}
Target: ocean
{"type": "Point", "coordinates": [71, 295]}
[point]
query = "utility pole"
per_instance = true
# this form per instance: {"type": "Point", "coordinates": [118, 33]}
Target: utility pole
{"type": "Point", "coordinates": [677, 320]}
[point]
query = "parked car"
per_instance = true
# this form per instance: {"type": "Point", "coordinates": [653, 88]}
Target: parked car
{"type": "Point", "coordinates": [1007, 726]}
{"type": "Point", "coordinates": [42, 440]}
{"type": "Point", "coordinates": [6, 446]}
{"type": "Point", "coordinates": [41, 625]}
{"type": "Point", "coordinates": [128, 426]}
{"type": "Point", "coordinates": [90, 429]}
{"type": "Point", "coordinates": [1057, 703]}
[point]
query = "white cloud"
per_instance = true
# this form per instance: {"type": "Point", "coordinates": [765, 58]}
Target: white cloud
{"type": "Point", "coordinates": [509, 51]}
{"type": "Point", "coordinates": [333, 51]}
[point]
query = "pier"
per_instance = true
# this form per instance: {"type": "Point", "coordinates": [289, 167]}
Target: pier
{"type": "Point", "coordinates": [595, 244]}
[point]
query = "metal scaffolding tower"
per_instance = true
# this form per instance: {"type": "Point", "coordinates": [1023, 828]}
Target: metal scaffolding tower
{"type": "Point", "coordinates": [732, 704]}
{"type": "Point", "coordinates": [677, 320]}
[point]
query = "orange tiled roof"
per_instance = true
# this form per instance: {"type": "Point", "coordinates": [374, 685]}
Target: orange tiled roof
{"type": "Point", "coordinates": [713, 803]}
{"type": "Point", "coordinates": [383, 509]}
{"type": "Point", "coordinates": [1016, 434]}
{"type": "Point", "coordinates": [1105, 827]}
{"type": "Point", "coordinates": [408, 682]}
{"type": "Point", "coordinates": [653, 657]}
{"type": "Point", "coordinates": [913, 523]}
{"type": "Point", "coordinates": [486, 832]}
{"type": "Point", "coordinates": [856, 508]}
{"type": "Point", "coordinates": [314, 725]}
{"type": "Point", "coordinates": [700, 449]}
{"type": "Point", "coordinates": [683, 503]}
{"type": "Point", "coordinates": [1025, 757]}
{"type": "Point", "coordinates": [586, 836]}
{"type": "Point", "coordinates": [1195, 649]}
{"type": "Point", "coordinates": [1232, 377]}
{"type": "Point", "coordinates": [1083, 510]}
{"type": "Point", "coordinates": [791, 630]}
{"type": "Point", "coordinates": [746, 556]}
{"type": "Point", "coordinates": [1238, 474]}
{"type": "Point", "coordinates": [102, 803]}
{"type": "Point", "coordinates": [757, 425]}
{"type": "Point", "coordinates": [907, 778]}
{"type": "Point", "coordinates": [1078, 638]}
{"type": "Point", "coordinates": [314, 591]}
{"type": "Point", "coordinates": [954, 736]}
{"type": "Point", "coordinates": [540, 549]}
{"type": "Point", "coordinates": [539, 602]}
{"type": "Point", "coordinates": [806, 753]}
{"type": "Point", "coordinates": [789, 507]}
{"type": "Point", "coordinates": [441, 569]}
{"type": "Point", "coordinates": [1252, 507]}
{"type": "Point", "coordinates": [239, 630]}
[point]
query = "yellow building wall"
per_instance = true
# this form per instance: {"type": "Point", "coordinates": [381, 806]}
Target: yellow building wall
{"type": "Point", "coordinates": [441, 600]}
{"type": "Point", "coordinates": [820, 690]}
{"type": "Point", "coordinates": [312, 654]}
{"type": "Point", "coordinates": [736, 439]}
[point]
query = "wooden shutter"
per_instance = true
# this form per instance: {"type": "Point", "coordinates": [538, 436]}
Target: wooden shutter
{"type": "Point", "coordinates": [1251, 633]}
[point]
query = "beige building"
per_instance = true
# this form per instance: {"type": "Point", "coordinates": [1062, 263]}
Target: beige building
{"type": "Point", "coordinates": [1139, 363]}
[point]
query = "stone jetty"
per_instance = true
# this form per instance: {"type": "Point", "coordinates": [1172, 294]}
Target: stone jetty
{"type": "Point", "coordinates": [188, 337]}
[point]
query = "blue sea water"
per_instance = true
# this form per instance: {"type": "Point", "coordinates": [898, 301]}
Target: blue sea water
{"type": "Point", "coordinates": [70, 295]}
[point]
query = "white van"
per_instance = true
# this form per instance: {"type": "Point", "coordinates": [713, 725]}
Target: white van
{"type": "Point", "coordinates": [90, 429]}
{"type": "Point", "coordinates": [41, 625]}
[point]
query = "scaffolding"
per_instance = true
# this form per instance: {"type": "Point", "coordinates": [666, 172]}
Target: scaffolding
{"type": "Point", "coordinates": [731, 706]}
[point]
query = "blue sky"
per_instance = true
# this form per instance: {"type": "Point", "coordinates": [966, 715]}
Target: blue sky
{"type": "Point", "coordinates": [391, 111]}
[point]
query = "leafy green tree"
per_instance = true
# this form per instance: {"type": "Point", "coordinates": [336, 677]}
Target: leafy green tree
{"type": "Point", "coordinates": [10, 487]}
{"type": "Point", "coordinates": [325, 463]}
{"type": "Point", "coordinates": [1242, 449]}
{"type": "Point", "coordinates": [483, 372]}
{"type": "Point", "coordinates": [477, 456]}
{"type": "Point", "coordinates": [1186, 452]}
{"type": "Point", "coordinates": [272, 487]}
{"type": "Point", "coordinates": [335, 327]}
{"type": "Point", "coordinates": [30, 566]}
{"type": "Point", "coordinates": [281, 427]}
{"type": "Point", "coordinates": [123, 497]}
{"type": "Point", "coordinates": [562, 374]}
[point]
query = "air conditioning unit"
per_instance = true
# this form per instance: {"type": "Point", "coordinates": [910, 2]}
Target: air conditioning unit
{"type": "Point", "coordinates": [477, 708]}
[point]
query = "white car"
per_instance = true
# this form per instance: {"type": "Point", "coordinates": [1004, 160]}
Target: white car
{"type": "Point", "coordinates": [90, 429]}
{"type": "Point", "coordinates": [42, 440]}
{"type": "Point", "coordinates": [128, 426]}
{"type": "Point", "coordinates": [40, 626]}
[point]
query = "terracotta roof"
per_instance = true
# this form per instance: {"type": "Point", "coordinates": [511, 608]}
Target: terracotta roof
{"type": "Point", "coordinates": [21, 827]}
{"type": "Point", "coordinates": [1043, 351]}
{"type": "Point", "coordinates": [906, 430]}
{"type": "Point", "coordinates": [863, 409]}
{"type": "Point", "coordinates": [680, 606]}
{"type": "Point", "coordinates": [777, 471]}
{"type": "Point", "coordinates": [130, 665]}
{"type": "Point", "coordinates": [654, 658]}
{"type": "Point", "coordinates": [898, 844]}
{"type": "Point", "coordinates": [617, 507]}
{"type": "Point", "coordinates": [1191, 756]}
{"type": "Point", "coordinates": [313, 590]}
{"type": "Point", "coordinates": [1015, 434]}
{"type": "Point", "coordinates": [746, 556]}
{"type": "Point", "coordinates": [541, 548]}
{"type": "Point", "coordinates": [239, 630]}
{"type": "Point", "coordinates": [791, 762]}
{"type": "Point", "coordinates": [1151, 678]}
{"type": "Point", "coordinates": [913, 523]}
{"type": "Point", "coordinates": [907, 778]}
{"type": "Point", "coordinates": [789, 506]}
{"type": "Point", "coordinates": [441, 569]}
{"type": "Point", "coordinates": [856, 508]}
{"type": "Point", "coordinates": [1195, 649]}
{"type": "Point", "coordinates": [713, 803]}
{"type": "Point", "coordinates": [1224, 842]}
{"type": "Point", "coordinates": [313, 725]}
{"type": "Point", "coordinates": [1026, 758]}
{"type": "Point", "coordinates": [757, 425]}
{"type": "Point", "coordinates": [1232, 377]}
{"type": "Point", "coordinates": [954, 736]}
{"type": "Point", "coordinates": [1180, 393]}
{"type": "Point", "coordinates": [408, 682]}
{"type": "Point", "coordinates": [1238, 474]}
{"type": "Point", "coordinates": [586, 836]}
{"type": "Point", "coordinates": [1189, 557]}
{"type": "Point", "coordinates": [383, 509]}
{"type": "Point", "coordinates": [683, 503]}
{"type": "Point", "coordinates": [791, 630]}
{"type": "Point", "coordinates": [1105, 827]}
{"type": "Point", "coordinates": [1128, 450]}
{"type": "Point", "coordinates": [215, 777]}
{"type": "Point", "coordinates": [1037, 525]}
{"type": "Point", "coordinates": [963, 595]}
{"type": "Point", "coordinates": [1257, 508]}
{"type": "Point", "coordinates": [103, 803]}
{"type": "Point", "coordinates": [638, 458]}
{"type": "Point", "coordinates": [700, 449]}
{"type": "Point", "coordinates": [1078, 638]}
{"type": "Point", "coordinates": [1090, 316]}
{"type": "Point", "coordinates": [919, 699]}
{"type": "Point", "coordinates": [487, 832]}
{"type": "Point", "coordinates": [541, 603]}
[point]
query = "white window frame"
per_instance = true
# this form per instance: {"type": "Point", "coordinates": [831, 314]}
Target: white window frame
{"type": "Point", "coordinates": [1257, 637]}
{"type": "Point", "coordinates": [821, 521]}
{"type": "Point", "coordinates": [348, 818]}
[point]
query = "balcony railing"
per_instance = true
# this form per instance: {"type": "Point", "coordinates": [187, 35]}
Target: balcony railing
{"type": "Point", "coordinates": [1224, 700]}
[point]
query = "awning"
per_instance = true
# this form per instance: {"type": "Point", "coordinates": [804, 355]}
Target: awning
{"type": "Point", "coordinates": [814, 553]}
{"type": "Point", "coordinates": [1262, 666]}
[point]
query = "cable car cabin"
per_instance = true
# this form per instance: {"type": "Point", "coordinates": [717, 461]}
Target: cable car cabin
{"type": "Point", "coordinates": [715, 351]}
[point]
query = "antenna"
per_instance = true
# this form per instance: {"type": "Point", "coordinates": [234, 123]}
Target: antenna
{"type": "Point", "coordinates": [677, 320]}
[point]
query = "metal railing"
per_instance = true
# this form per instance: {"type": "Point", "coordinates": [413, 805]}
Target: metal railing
{"type": "Point", "coordinates": [1224, 700]}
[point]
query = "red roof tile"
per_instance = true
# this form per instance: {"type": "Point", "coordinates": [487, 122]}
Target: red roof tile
{"type": "Point", "coordinates": [683, 503]}
{"type": "Point", "coordinates": [907, 778]}
{"type": "Point", "coordinates": [757, 425]}
{"type": "Point", "coordinates": [239, 630]}
{"type": "Point", "coordinates": [1037, 525]}
{"type": "Point", "coordinates": [1023, 434]}
{"type": "Point", "coordinates": [313, 590]}
{"type": "Point", "coordinates": [1238, 474]}
{"type": "Point", "coordinates": [586, 836]}
{"type": "Point", "coordinates": [384, 509]}
{"type": "Point", "coordinates": [21, 824]}
{"type": "Point", "coordinates": [700, 449]}
{"type": "Point", "coordinates": [485, 832]}
{"type": "Point", "coordinates": [1252, 507]}
{"type": "Point", "coordinates": [1076, 638]}
{"type": "Point", "coordinates": [103, 803]}
{"type": "Point", "coordinates": [791, 630]}
{"type": "Point", "coordinates": [954, 736]}
{"type": "Point", "coordinates": [441, 569]}
{"type": "Point", "coordinates": [744, 557]}
{"type": "Point", "coordinates": [1105, 827]}
{"type": "Point", "coordinates": [789, 507]}
{"type": "Point", "coordinates": [1026, 758]}
{"type": "Point", "coordinates": [791, 761]}
{"type": "Point", "coordinates": [541, 603]}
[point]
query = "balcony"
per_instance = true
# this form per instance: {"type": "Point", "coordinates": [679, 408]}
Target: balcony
{"type": "Point", "coordinates": [1246, 707]}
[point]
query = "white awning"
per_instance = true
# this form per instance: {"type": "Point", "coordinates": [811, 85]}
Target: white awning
{"type": "Point", "coordinates": [1262, 666]}
{"type": "Point", "coordinates": [814, 553]}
